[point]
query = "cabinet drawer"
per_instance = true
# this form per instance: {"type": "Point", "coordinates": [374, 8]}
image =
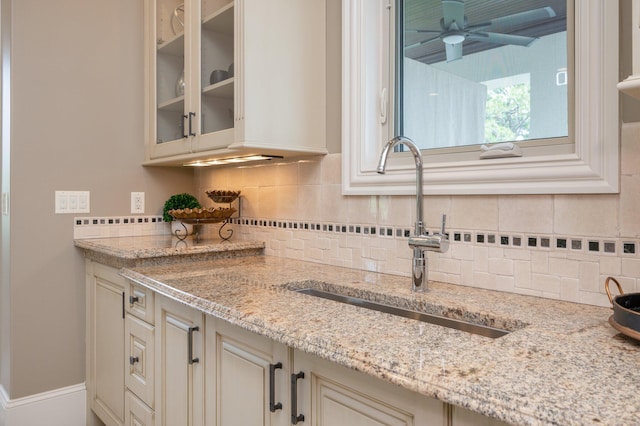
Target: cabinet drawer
{"type": "Point", "coordinates": [139, 347]}
{"type": "Point", "coordinates": [139, 301]}
{"type": "Point", "coordinates": [136, 412]}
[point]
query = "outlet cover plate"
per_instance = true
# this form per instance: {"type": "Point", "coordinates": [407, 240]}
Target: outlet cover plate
{"type": "Point", "coordinates": [137, 203]}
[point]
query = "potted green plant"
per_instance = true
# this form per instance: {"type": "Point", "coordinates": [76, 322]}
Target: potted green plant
{"type": "Point", "coordinates": [177, 202]}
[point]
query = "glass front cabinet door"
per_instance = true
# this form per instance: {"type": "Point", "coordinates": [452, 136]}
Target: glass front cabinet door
{"type": "Point", "coordinates": [234, 77]}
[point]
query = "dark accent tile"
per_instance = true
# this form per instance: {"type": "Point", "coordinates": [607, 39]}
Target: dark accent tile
{"type": "Point", "coordinates": [517, 241]}
{"type": "Point", "coordinates": [457, 236]}
{"type": "Point", "coordinates": [504, 240]}
{"type": "Point", "coordinates": [576, 244]}
{"type": "Point", "coordinates": [479, 238]}
{"type": "Point", "coordinates": [491, 239]}
{"type": "Point", "coordinates": [594, 246]}
{"type": "Point", "coordinates": [629, 248]}
{"type": "Point", "coordinates": [545, 242]}
{"type": "Point", "coordinates": [561, 243]}
{"type": "Point", "coordinates": [407, 233]}
{"type": "Point", "coordinates": [467, 238]}
{"type": "Point", "coordinates": [609, 247]}
{"type": "Point", "coordinates": [532, 242]}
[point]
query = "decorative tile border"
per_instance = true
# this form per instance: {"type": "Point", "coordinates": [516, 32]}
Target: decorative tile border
{"type": "Point", "coordinates": [572, 244]}
{"type": "Point", "coordinates": [123, 226]}
{"type": "Point", "coordinates": [118, 226]}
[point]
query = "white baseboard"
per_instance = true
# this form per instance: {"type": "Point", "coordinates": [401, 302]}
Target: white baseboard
{"type": "Point", "coordinates": [59, 407]}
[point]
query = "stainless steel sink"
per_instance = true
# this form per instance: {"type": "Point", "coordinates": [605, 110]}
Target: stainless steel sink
{"type": "Point", "coordinates": [482, 330]}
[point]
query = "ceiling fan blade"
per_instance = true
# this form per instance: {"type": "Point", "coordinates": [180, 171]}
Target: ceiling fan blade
{"type": "Point", "coordinates": [454, 51]}
{"type": "Point", "coordinates": [453, 11]}
{"type": "Point", "coordinates": [522, 18]}
{"type": "Point", "coordinates": [423, 31]}
{"type": "Point", "coordinates": [423, 42]}
{"type": "Point", "coordinates": [499, 38]}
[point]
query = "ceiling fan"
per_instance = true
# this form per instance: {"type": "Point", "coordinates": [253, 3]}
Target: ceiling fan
{"type": "Point", "coordinates": [454, 29]}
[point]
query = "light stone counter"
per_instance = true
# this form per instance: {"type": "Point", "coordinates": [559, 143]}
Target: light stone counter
{"type": "Point", "coordinates": [163, 249]}
{"type": "Point", "coordinates": [562, 365]}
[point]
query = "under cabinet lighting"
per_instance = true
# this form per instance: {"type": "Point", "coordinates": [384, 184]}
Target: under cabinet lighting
{"type": "Point", "coordinates": [231, 160]}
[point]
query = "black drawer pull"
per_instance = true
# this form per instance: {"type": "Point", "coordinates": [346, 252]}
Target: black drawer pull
{"type": "Point", "coordinates": [273, 406]}
{"type": "Point", "coordinates": [295, 417]}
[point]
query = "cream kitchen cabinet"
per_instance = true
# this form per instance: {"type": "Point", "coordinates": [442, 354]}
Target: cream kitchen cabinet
{"type": "Point", "coordinates": [250, 382]}
{"type": "Point", "coordinates": [180, 364]}
{"type": "Point", "coordinates": [326, 394]}
{"type": "Point", "coordinates": [236, 77]}
{"type": "Point", "coordinates": [462, 417]}
{"type": "Point", "coordinates": [120, 352]}
{"type": "Point", "coordinates": [105, 330]}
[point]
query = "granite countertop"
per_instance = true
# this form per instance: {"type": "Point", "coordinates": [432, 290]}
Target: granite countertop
{"type": "Point", "coordinates": [162, 249]}
{"type": "Point", "coordinates": [562, 364]}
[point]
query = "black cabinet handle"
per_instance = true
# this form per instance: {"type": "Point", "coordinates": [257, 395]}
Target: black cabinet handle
{"type": "Point", "coordinates": [191, 115]}
{"type": "Point", "coordinates": [133, 299]}
{"type": "Point", "coordinates": [133, 359]}
{"type": "Point", "coordinates": [273, 406]}
{"type": "Point", "coordinates": [184, 135]}
{"type": "Point", "coordinates": [192, 360]}
{"type": "Point", "coordinates": [295, 417]}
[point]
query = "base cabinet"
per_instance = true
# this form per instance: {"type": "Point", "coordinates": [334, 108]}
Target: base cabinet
{"type": "Point", "coordinates": [105, 343]}
{"type": "Point", "coordinates": [137, 413]}
{"type": "Point", "coordinates": [462, 417]}
{"type": "Point", "coordinates": [250, 383]}
{"type": "Point", "coordinates": [331, 395]}
{"type": "Point", "coordinates": [180, 364]}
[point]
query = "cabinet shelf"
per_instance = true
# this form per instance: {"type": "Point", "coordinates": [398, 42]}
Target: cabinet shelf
{"type": "Point", "coordinates": [175, 104]}
{"type": "Point", "coordinates": [221, 89]}
{"type": "Point", "coordinates": [220, 21]}
{"type": "Point", "coordinates": [173, 46]}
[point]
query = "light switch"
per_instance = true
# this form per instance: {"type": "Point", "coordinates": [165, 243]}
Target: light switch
{"type": "Point", "coordinates": [71, 202]}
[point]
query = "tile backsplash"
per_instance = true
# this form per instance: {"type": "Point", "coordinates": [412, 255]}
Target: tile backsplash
{"type": "Point", "coordinates": [555, 246]}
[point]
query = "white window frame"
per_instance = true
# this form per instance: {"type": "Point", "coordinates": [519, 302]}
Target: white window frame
{"type": "Point", "coordinates": [366, 116]}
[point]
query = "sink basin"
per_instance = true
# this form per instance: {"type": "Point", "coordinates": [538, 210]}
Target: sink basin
{"type": "Point", "coordinates": [479, 329]}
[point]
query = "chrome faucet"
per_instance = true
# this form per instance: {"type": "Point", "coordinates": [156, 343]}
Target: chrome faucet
{"type": "Point", "coordinates": [420, 241]}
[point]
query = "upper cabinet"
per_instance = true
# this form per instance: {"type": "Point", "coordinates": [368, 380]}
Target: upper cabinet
{"type": "Point", "coordinates": [234, 78]}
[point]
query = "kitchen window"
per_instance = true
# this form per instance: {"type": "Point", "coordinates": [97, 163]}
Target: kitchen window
{"type": "Point", "coordinates": [577, 154]}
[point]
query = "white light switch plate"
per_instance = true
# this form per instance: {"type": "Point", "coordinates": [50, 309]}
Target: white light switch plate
{"type": "Point", "coordinates": [72, 202]}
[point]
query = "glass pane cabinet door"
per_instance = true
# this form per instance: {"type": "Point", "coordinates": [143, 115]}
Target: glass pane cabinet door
{"type": "Point", "coordinates": [171, 84]}
{"type": "Point", "coordinates": [217, 69]}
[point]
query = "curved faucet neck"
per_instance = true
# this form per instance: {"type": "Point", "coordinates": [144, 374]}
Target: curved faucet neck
{"type": "Point", "coordinates": [417, 156]}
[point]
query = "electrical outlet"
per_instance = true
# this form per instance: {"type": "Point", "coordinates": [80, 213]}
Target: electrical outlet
{"type": "Point", "coordinates": [137, 202]}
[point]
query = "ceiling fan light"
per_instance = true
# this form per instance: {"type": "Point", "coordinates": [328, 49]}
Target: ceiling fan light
{"type": "Point", "coordinates": [453, 39]}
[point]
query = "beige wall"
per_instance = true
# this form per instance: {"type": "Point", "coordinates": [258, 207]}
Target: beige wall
{"type": "Point", "coordinates": [76, 120]}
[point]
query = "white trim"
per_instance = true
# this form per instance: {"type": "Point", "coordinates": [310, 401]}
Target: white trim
{"type": "Point", "coordinates": [59, 407]}
{"type": "Point", "coordinates": [593, 168]}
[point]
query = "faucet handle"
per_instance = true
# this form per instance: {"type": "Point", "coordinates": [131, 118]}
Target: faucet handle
{"type": "Point", "coordinates": [444, 221]}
